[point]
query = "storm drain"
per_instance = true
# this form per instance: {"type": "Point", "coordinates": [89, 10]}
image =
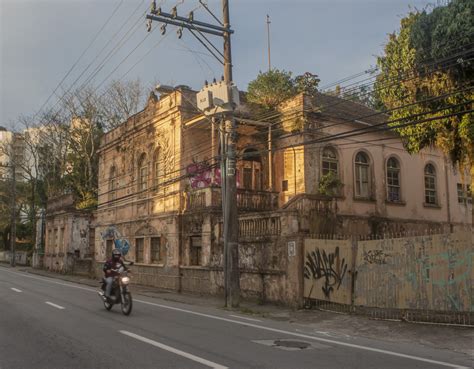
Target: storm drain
{"type": "Point", "coordinates": [291, 345]}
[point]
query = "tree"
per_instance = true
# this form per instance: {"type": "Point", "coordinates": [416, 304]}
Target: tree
{"type": "Point", "coordinates": [121, 100]}
{"type": "Point", "coordinates": [271, 88]}
{"type": "Point", "coordinates": [420, 64]}
{"type": "Point", "coordinates": [363, 94]}
{"type": "Point", "coordinates": [307, 83]}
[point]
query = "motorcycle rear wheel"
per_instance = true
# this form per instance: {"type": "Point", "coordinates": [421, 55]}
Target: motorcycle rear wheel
{"type": "Point", "coordinates": [127, 303]}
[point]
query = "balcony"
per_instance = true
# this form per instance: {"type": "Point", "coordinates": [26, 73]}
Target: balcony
{"type": "Point", "coordinates": [247, 200]}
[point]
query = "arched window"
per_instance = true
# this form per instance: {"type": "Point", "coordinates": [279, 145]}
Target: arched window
{"type": "Point", "coordinates": [430, 185]}
{"type": "Point", "coordinates": [393, 180]}
{"type": "Point", "coordinates": [362, 170]}
{"type": "Point", "coordinates": [156, 168]}
{"type": "Point", "coordinates": [142, 173]}
{"type": "Point", "coordinates": [330, 162]}
{"type": "Point", "coordinates": [251, 170]}
{"type": "Point", "coordinates": [112, 183]}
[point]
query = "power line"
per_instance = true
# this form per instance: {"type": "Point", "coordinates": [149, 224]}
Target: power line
{"type": "Point", "coordinates": [80, 57]}
{"type": "Point", "coordinates": [344, 135]}
{"type": "Point", "coordinates": [107, 57]}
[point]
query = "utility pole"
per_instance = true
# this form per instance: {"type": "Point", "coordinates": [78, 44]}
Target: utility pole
{"type": "Point", "coordinates": [231, 219]}
{"type": "Point", "coordinates": [13, 218]}
{"type": "Point", "coordinates": [227, 95]}
{"type": "Point", "coordinates": [268, 43]}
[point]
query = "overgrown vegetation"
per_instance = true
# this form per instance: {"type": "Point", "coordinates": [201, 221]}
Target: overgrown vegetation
{"type": "Point", "coordinates": [271, 88]}
{"type": "Point", "coordinates": [59, 152]}
{"type": "Point", "coordinates": [330, 184]}
{"type": "Point", "coordinates": [426, 76]}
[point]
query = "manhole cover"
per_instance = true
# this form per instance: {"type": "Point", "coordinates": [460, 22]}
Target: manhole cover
{"type": "Point", "coordinates": [292, 344]}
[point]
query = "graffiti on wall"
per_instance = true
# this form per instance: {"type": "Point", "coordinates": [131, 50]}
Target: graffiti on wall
{"type": "Point", "coordinates": [429, 272]}
{"type": "Point", "coordinates": [202, 175]}
{"type": "Point", "coordinates": [120, 242]}
{"type": "Point", "coordinates": [376, 257]}
{"type": "Point", "coordinates": [329, 266]}
{"type": "Point", "coordinates": [448, 273]}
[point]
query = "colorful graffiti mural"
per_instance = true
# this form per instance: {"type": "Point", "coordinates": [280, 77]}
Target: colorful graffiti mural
{"type": "Point", "coordinates": [120, 242]}
{"type": "Point", "coordinates": [202, 175]}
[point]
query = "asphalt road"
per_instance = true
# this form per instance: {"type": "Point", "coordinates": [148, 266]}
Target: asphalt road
{"type": "Point", "coordinates": [48, 324]}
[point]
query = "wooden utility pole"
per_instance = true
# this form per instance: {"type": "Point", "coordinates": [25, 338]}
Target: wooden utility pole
{"type": "Point", "coordinates": [228, 136]}
{"type": "Point", "coordinates": [231, 219]}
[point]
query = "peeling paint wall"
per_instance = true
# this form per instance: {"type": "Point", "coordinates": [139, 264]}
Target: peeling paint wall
{"type": "Point", "coordinates": [431, 272]}
{"type": "Point", "coordinates": [428, 272]}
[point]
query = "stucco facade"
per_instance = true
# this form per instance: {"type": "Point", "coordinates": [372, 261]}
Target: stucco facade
{"type": "Point", "coordinates": [160, 195]}
{"type": "Point", "coordinates": [386, 206]}
{"type": "Point", "coordinates": [68, 236]}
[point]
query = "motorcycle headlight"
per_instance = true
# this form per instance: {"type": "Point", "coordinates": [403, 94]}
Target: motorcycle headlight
{"type": "Point", "coordinates": [125, 280]}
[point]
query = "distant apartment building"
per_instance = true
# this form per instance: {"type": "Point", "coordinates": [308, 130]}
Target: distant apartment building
{"type": "Point", "coordinates": [12, 153]}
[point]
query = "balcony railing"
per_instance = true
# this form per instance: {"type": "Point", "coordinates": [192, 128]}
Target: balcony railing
{"type": "Point", "coordinates": [247, 200]}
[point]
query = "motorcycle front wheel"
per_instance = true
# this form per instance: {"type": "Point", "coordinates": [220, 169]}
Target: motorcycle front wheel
{"type": "Point", "coordinates": [127, 303]}
{"type": "Point", "coordinates": [108, 305]}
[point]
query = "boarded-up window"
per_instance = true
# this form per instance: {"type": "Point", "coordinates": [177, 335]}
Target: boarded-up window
{"type": "Point", "coordinates": [248, 178]}
{"type": "Point", "coordinates": [156, 251]}
{"type": "Point", "coordinates": [109, 246]}
{"type": "Point", "coordinates": [195, 250]}
{"type": "Point", "coordinates": [140, 250]}
{"type": "Point", "coordinates": [460, 189]}
{"type": "Point", "coordinates": [112, 183]}
{"type": "Point", "coordinates": [156, 169]}
{"type": "Point", "coordinates": [142, 173]}
{"type": "Point", "coordinates": [252, 170]}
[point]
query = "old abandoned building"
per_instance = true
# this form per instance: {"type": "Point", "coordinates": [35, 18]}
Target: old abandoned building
{"type": "Point", "coordinates": [68, 237]}
{"type": "Point", "coordinates": [299, 172]}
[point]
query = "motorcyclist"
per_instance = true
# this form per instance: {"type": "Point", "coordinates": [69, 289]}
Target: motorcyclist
{"type": "Point", "coordinates": [110, 272]}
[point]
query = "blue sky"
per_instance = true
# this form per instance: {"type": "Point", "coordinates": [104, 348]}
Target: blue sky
{"type": "Point", "coordinates": [40, 40]}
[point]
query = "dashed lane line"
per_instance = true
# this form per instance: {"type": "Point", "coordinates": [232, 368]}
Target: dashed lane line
{"type": "Point", "coordinates": [15, 289]}
{"type": "Point", "coordinates": [55, 305]}
{"type": "Point", "coordinates": [360, 347]}
{"type": "Point", "coordinates": [173, 350]}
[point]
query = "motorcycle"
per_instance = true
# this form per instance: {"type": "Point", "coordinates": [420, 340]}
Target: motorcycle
{"type": "Point", "coordinates": [120, 291]}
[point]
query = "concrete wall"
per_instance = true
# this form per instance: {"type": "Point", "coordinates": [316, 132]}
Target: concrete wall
{"type": "Point", "coordinates": [431, 272]}
{"type": "Point", "coordinates": [21, 257]}
{"type": "Point", "coordinates": [66, 238]}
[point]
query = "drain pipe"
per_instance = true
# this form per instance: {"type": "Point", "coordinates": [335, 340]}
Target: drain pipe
{"type": "Point", "coordinates": [294, 170]}
{"type": "Point", "coordinates": [448, 202]}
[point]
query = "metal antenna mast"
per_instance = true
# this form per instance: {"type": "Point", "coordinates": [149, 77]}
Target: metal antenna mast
{"type": "Point", "coordinates": [268, 43]}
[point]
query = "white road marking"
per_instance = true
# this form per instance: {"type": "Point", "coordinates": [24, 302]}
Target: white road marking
{"type": "Point", "coordinates": [175, 351]}
{"type": "Point", "coordinates": [360, 347]}
{"type": "Point", "coordinates": [281, 331]}
{"type": "Point", "coordinates": [54, 305]}
{"type": "Point", "coordinates": [244, 317]}
{"type": "Point", "coordinates": [16, 289]}
{"type": "Point", "coordinates": [53, 282]}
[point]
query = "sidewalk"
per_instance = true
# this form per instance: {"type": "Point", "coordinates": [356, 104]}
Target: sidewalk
{"type": "Point", "coordinates": [332, 325]}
